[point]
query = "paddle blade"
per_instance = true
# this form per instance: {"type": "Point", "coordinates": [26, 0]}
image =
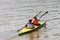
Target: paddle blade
{"type": "Point", "coordinates": [44, 14]}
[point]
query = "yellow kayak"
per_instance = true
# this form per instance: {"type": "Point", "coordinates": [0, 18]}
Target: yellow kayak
{"type": "Point", "coordinates": [28, 30]}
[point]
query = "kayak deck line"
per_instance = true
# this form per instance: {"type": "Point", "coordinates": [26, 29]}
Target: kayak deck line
{"type": "Point", "coordinates": [28, 30]}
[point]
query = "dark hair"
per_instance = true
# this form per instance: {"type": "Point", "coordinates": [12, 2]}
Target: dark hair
{"type": "Point", "coordinates": [30, 20]}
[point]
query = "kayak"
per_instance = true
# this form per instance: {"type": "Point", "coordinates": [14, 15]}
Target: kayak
{"type": "Point", "coordinates": [29, 30]}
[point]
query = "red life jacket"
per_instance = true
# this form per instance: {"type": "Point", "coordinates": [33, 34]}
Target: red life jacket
{"type": "Point", "coordinates": [35, 22]}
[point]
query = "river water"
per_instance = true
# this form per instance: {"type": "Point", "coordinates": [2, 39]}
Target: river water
{"type": "Point", "coordinates": [14, 14]}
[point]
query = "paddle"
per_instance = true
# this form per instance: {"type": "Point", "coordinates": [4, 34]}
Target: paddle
{"type": "Point", "coordinates": [34, 16]}
{"type": "Point", "coordinates": [37, 14]}
{"type": "Point", "coordinates": [43, 14]}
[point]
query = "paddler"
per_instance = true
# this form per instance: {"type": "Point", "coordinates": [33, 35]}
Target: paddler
{"type": "Point", "coordinates": [35, 21]}
{"type": "Point", "coordinates": [29, 24]}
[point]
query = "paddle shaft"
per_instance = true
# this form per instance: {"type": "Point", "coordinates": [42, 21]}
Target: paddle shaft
{"type": "Point", "coordinates": [43, 14]}
{"type": "Point", "coordinates": [37, 14]}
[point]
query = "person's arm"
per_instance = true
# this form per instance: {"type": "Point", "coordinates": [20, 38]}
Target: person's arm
{"type": "Point", "coordinates": [32, 20]}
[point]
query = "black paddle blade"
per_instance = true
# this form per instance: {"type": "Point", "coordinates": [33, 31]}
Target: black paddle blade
{"type": "Point", "coordinates": [46, 12]}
